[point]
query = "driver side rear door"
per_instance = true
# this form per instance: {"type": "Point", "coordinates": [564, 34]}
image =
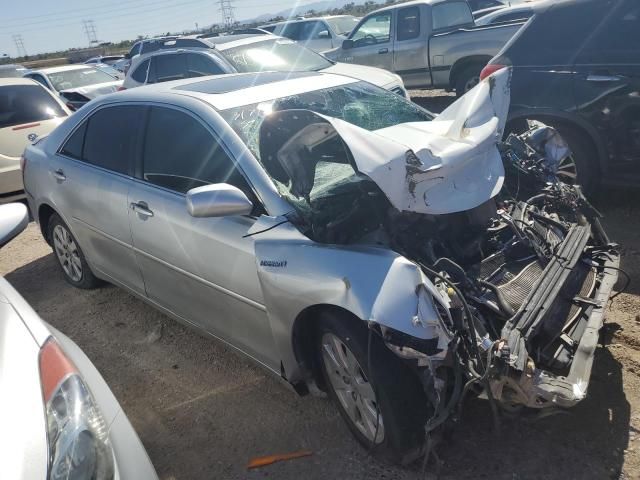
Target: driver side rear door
{"type": "Point", "coordinates": [372, 42]}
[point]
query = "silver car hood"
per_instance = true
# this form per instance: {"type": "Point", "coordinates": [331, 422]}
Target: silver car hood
{"type": "Point", "coordinates": [93, 91]}
{"type": "Point", "coordinates": [448, 165]}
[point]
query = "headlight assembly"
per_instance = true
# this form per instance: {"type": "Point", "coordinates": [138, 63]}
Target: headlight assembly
{"type": "Point", "coordinates": [77, 434]}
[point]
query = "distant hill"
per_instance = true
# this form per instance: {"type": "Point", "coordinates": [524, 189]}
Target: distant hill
{"type": "Point", "coordinates": [302, 9]}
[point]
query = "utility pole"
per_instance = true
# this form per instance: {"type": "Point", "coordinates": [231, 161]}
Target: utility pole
{"type": "Point", "coordinates": [90, 31]}
{"type": "Point", "coordinates": [17, 39]}
{"type": "Point", "coordinates": [226, 7]}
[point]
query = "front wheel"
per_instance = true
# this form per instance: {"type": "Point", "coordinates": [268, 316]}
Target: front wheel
{"type": "Point", "coordinates": [581, 166]}
{"type": "Point", "coordinates": [379, 398]}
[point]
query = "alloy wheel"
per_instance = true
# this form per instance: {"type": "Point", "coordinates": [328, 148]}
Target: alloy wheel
{"type": "Point", "coordinates": [355, 393]}
{"type": "Point", "coordinates": [67, 253]}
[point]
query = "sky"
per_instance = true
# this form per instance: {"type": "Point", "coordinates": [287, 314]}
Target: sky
{"type": "Point", "coordinates": [47, 25]}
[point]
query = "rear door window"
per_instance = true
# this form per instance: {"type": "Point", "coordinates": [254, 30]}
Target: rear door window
{"type": "Point", "coordinates": [555, 36]}
{"type": "Point", "coordinates": [408, 23]}
{"type": "Point", "coordinates": [199, 65]}
{"type": "Point", "coordinates": [20, 104]}
{"type": "Point", "coordinates": [181, 154]}
{"type": "Point", "coordinates": [169, 67]}
{"type": "Point", "coordinates": [450, 15]}
{"type": "Point", "coordinates": [604, 48]}
{"type": "Point", "coordinates": [112, 138]}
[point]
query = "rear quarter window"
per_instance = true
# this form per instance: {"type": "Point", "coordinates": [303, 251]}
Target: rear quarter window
{"type": "Point", "coordinates": [20, 104]}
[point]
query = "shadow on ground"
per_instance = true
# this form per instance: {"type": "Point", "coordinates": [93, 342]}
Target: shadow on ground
{"type": "Point", "coordinates": [202, 411]}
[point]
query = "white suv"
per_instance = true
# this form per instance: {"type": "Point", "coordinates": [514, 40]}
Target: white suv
{"type": "Point", "coordinates": [247, 54]}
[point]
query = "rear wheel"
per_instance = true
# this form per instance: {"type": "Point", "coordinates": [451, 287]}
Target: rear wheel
{"type": "Point", "coordinates": [380, 399]}
{"type": "Point", "coordinates": [70, 258]}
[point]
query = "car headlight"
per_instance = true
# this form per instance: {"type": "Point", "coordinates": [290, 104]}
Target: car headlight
{"type": "Point", "coordinates": [77, 433]}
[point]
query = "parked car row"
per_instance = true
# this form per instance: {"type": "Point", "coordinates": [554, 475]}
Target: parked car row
{"type": "Point", "coordinates": [244, 54]}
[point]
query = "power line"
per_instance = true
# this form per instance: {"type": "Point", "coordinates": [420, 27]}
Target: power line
{"type": "Point", "coordinates": [226, 8]}
{"type": "Point", "coordinates": [134, 15]}
{"type": "Point", "coordinates": [90, 30]}
{"type": "Point", "coordinates": [17, 39]}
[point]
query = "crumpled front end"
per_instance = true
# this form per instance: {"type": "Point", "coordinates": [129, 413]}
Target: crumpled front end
{"type": "Point", "coordinates": [514, 267]}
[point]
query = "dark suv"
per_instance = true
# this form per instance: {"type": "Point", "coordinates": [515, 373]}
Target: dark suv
{"type": "Point", "coordinates": [576, 66]}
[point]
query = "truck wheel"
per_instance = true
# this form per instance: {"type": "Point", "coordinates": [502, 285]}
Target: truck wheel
{"type": "Point", "coordinates": [467, 79]}
{"type": "Point", "coordinates": [70, 258]}
{"type": "Point", "coordinates": [382, 402]}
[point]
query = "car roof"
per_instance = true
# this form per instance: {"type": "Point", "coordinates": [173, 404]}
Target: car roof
{"type": "Point", "coordinates": [521, 7]}
{"type": "Point", "coordinates": [218, 42]}
{"type": "Point", "coordinates": [62, 68]}
{"type": "Point", "coordinates": [234, 90]}
{"type": "Point", "coordinates": [17, 81]}
{"type": "Point", "coordinates": [412, 3]}
{"type": "Point", "coordinates": [308, 19]}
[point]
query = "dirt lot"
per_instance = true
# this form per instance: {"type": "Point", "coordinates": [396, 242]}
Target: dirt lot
{"type": "Point", "coordinates": [202, 411]}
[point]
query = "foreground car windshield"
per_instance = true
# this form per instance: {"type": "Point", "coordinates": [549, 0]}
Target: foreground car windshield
{"type": "Point", "coordinates": [279, 55]}
{"type": "Point", "coordinates": [78, 78]}
{"type": "Point", "coordinates": [360, 104]}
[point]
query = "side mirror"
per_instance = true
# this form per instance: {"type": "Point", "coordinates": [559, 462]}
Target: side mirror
{"type": "Point", "coordinates": [347, 44]}
{"type": "Point", "coordinates": [127, 56]}
{"type": "Point", "coordinates": [14, 218]}
{"type": "Point", "coordinates": [324, 34]}
{"type": "Point", "coordinates": [217, 200]}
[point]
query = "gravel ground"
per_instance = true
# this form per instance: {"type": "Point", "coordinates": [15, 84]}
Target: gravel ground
{"type": "Point", "coordinates": [202, 411]}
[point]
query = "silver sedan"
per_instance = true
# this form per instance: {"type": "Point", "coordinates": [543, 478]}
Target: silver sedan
{"type": "Point", "coordinates": [340, 236]}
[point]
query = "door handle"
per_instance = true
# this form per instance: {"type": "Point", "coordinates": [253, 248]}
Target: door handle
{"type": "Point", "coordinates": [603, 78]}
{"type": "Point", "coordinates": [141, 208]}
{"type": "Point", "coordinates": [383, 50]}
{"type": "Point", "coordinates": [59, 175]}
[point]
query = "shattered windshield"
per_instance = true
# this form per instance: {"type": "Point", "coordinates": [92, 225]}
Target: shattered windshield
{"type": "Point", "coordinates": [360, 104]}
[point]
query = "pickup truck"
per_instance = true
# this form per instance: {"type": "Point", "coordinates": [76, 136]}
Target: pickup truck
{"type": "Point", "coordinates": [429, 43]}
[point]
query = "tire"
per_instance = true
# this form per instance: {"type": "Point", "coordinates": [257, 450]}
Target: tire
{"type": "Point", "coordinates": [69, 256]}
{"type": "Point", "coordinates": [389, 391]}
{"type": "Point", "coordinates": [467, 79]}
{"type": "Point", "coordinates": [582, 167]}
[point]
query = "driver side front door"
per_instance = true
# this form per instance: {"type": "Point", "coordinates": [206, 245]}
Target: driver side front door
{"type": "Point", "coordinates": [372, 42]}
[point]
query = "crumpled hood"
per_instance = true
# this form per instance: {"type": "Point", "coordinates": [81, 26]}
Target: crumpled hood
{"type": "Point", "coordinates": [93, 91]}
{"type": "Point", "coordinates": [448, 165]}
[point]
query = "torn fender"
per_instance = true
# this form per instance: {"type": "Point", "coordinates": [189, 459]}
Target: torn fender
{"type": "Point", "coordinates": [375, 284]}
